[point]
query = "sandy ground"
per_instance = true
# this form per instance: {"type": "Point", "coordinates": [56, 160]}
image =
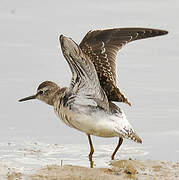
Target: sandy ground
{"type": "Point", "coordinates": [147, 73]}
{"type": "Point", "coordinates": [122, 169]}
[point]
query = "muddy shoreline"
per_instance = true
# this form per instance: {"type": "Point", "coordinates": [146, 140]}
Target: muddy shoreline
{"type": "Point", "coordinates": [121, 169]}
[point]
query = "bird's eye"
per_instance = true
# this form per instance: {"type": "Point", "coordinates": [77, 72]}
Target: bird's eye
{"type": "Point", "coordinates": [40, 92]}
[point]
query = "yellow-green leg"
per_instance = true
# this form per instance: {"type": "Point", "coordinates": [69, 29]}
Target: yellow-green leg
{"type": "Point", "coordinates": [118, 146]}
{"type": "Point", "coordinates": [91, 151]}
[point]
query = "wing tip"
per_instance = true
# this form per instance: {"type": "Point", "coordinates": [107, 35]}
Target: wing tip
{"type": "Point", "coordinates": [60, 37]}
{"type": "Point", "coordinates": [163, 32]}
{"type": "Point", "coordinates": [121, 97]}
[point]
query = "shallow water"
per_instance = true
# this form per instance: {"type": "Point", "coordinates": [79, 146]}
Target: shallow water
{"type": "Point", "coordinates": [29, 153]}
{"type": "Point", "coordinates": [30, 133]}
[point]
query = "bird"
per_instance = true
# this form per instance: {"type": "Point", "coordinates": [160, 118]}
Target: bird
{"type": "Point", "coordinates": [88, 104]}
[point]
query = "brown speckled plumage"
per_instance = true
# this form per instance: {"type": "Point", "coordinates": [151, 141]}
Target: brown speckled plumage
{"type": "Point", "coordinates": [86, 104]}
{"type": "Point", "coordinates": [102, 47]}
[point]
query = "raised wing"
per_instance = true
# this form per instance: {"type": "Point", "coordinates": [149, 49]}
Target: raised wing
{"type": "Point", "coordinates": [102, 47]}
{"type": "Point", "coordinates": [85, 88]}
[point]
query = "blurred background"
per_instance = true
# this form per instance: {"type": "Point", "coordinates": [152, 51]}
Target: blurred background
{"type": "Point", "coordinates": [147, 72]}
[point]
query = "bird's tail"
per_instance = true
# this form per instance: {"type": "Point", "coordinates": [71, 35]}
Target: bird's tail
{"type": "Point", "coordinates": [122, 127]}
{"type": "Point", "coordinates": [129, 134]}
{"type": "Point", "coordinates": [134, 137]}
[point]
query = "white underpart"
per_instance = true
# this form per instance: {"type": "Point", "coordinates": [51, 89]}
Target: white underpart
{"type": "Point", "coordinates": [97, 123]}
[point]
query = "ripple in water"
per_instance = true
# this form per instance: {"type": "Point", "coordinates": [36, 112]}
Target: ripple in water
{"type": "Point", "coordinates": [28, 156]}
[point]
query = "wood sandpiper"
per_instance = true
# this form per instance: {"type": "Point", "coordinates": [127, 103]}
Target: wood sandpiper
{"type": "Point", "coordinates": [87, 104]}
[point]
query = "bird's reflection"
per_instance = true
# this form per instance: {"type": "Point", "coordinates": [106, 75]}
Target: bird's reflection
{"type": "Point", "coordinates": [91, 162]}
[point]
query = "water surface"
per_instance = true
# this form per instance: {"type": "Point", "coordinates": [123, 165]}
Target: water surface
{"type": "Point", "coordinates": [30, 133]}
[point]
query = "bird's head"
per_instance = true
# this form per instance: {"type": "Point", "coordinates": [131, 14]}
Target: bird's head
{"type": "Point", "coordinates": [45, 92]}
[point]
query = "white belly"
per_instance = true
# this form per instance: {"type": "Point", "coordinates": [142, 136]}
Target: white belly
{"type": "Point", "coordinates": [97, 123]}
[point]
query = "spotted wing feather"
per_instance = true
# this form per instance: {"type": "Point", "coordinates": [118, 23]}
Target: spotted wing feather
{"type": "Point", "coordinates": [102, 47]}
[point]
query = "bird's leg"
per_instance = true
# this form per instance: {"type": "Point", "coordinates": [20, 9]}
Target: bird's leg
{"type": "Point", "coordinates": [91, 152]}
{"type": "Point", "coordinates": [118, 145]}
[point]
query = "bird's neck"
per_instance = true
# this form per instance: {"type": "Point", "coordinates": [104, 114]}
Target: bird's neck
{"type": "Point", "coordinates": [59, 93]}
